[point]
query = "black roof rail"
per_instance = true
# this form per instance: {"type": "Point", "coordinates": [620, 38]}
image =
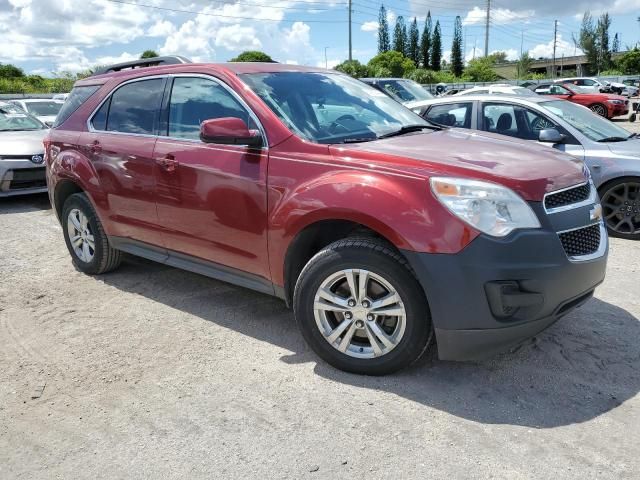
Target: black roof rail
{"type": "Point", "coordinates": [143, 62]}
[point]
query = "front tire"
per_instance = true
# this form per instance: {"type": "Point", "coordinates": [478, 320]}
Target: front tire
{"type": "Point", "coordinates": [620, 201]}
{"type": "Point", "coordinates": [85, 238]}
{"type": "Point", "coordinates": [361, 309]}
{"type": "Point", "coordinates": [599, 109]}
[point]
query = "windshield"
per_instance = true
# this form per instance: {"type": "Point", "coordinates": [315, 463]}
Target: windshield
{"type": "Point", "coordinates": [586, 122]}
{"type": "Point", "coordinates": [10, 108]}
{"type": "Point", "coordinates": [331, 108]}
{"type": "Point", "coordinates": [405, 90]}
{"type": "Point", "coordinates": [43, 108]}
{"type": "Point", "coordinates": [13, 122]}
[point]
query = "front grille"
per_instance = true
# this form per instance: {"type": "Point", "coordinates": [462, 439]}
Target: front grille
{"type": "Point", "coordinates": [28, 178]}
{"type": "Point", "coordinates": [580, 242]}
{"type": "Point", "coordinates": [567, 197]}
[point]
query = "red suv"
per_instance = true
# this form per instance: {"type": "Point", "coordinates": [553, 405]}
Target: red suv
{"type": "Point", "coordinates": [380, 229]}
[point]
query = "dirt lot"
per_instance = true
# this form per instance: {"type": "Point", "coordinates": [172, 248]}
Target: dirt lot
{"type": "Point", "coordinates": [152, 372]}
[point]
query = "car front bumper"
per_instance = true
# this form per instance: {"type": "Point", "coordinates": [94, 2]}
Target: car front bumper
{"type": "Point", "coordinates": [21, 177]}
{"type": "Point", "coordinates": [496, 293]}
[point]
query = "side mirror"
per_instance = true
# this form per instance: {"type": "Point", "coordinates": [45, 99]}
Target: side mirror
{"type": "Point", "coordinates": [550, 135]}
{"type": "Point", "coordinates": [229, 131]}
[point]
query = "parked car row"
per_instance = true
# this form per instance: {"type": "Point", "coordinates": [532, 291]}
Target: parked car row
{"type": "Point", "coordinates": [383, 229]}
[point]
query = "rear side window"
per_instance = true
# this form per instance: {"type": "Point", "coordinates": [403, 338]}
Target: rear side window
{"type": "Point", "coordinates": [134, 108]}
{"type": "Point", "coordinates": [451, 114]}
{"type": "Point", "coordinates": [77, 97]}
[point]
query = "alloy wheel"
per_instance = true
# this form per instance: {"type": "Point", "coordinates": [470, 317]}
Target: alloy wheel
{"type": "Point", "coordinates": [621, 208]}
{"type": "Point", "coordinates": [80, 235]}
{"type": "Point", "coordinates": [599, 110]}
{"type": "Point", "coordinates": [359, 313]}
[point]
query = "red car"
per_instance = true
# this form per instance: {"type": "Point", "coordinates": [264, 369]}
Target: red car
{"type": "Point", "coordinates": [604, 104]}
{"type": "Point", "coordinates": [381, 230]}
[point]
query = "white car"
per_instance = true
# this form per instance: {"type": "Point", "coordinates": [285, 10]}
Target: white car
{"type": "Point", "coordinates": [43, 109]}
{"type": "Point", "coordinates": [586, 84]}
{"type": "Point", "coordinates": [497, 89]}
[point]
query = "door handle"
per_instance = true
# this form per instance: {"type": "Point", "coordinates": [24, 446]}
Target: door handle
{"type": "Point", "coordinates": [94, 147]}
{"type": "Point", "coordinates": [168, 163]}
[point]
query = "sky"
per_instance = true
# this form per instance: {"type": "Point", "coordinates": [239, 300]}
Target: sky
{"type": "Point", "coordinates": [54, 36]}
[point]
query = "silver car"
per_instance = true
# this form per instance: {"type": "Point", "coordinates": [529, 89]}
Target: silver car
{"type": "Point", "coordinates": [43, 109]}
{"type": "Point", "coordinates": [611, 153]}
{"type": "Point", "coordinates": [22, 167]}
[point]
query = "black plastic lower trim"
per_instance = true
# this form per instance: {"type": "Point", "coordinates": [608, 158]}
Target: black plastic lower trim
{"type": "Point", "coordinates": [194, 264]}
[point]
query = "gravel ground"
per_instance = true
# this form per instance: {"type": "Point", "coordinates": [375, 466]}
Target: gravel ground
{"type": "Point", "coordinates": [153, 372]}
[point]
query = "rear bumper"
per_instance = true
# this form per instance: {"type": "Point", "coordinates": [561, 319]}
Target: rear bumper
{"type": "Point", "coordinates": [21, 177]}
{"type": "Point", "coordinates": [497, 293]}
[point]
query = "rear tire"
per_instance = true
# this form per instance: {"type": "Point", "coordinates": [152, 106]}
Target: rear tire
{"type": "Point", "coordinates": [85, 238]}
{"type": "Point", "coordinates": [375, 330]}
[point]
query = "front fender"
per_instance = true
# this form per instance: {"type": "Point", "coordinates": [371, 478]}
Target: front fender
{"type": "Point", "coordinates": [400, 208]}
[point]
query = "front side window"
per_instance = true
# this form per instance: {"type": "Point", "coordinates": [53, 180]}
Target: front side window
{"type": "Point", "coordinates": [134, 107]}
{"type": "Point", "coordinates": [451, 114]}
{"type": "Point", "coordinates": [331, 108]}
{"type": "Point", "coordinates": [514, 121]}
{"type": "Point", "coordinates": [194, 100]}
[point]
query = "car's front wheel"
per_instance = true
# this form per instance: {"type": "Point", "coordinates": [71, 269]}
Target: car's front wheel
{"type": "Point", "coordinates": [85, 238]}
{"type": "Point", "coordinates": [621, 207]}
{"type": "Point", "coordinates": [599, 109]}
{"type": "Point", "coordinates": [361, 309]}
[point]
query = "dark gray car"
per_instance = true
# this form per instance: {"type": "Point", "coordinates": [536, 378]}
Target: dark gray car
{"type": "Point", "coordinates": [611, 153]}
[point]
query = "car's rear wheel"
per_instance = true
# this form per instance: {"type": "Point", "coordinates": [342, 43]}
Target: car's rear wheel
{"type": "Point", "coordinates": [621, 207]}
{"type": "Point", "coordinates": [599, 109]}
{"type": "Point", "coordinates": [85, 238]}
{"type": "Point", "coordinates": [361, 309]}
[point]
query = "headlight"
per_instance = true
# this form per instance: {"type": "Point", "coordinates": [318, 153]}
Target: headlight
{"type": "Point", "coordinates": [488, 207]}
{"type": "Point", "coordinates": [616, 102]}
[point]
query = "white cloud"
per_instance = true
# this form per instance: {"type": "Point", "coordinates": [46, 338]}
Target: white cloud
{"type": "Point", "coordinates": [512, 53]}
{"type": "Point", "coordinates": [369, 26]}
{"type": "Point", "coordinates": [236, 37]}
{"type": "Point", "coordinates": [478, 16]}
{"type": "Point", "coordinates": [545, 50]}
{"type": "Point", "coordinates": [161, 28]}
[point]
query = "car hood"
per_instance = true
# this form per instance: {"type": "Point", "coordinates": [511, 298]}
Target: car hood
{"type": "Point", "coordinates": [530, 169]}
{"type": "Point", "coordinates": [22, 143]}
{"type": "Point", "coordinates": [630, 148]}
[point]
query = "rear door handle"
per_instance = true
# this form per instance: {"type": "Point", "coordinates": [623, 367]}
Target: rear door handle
{"type": "Point", "coordinates": [168, 163]}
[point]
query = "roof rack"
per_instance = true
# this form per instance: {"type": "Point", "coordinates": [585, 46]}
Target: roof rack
{"type": "Point", "coordinates": [144, 62]}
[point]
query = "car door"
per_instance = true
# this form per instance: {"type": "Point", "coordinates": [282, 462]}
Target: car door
{"type": "Point", "coordinates": [119, 144]}
{"type": "Point", "coordinates": [212, 199]}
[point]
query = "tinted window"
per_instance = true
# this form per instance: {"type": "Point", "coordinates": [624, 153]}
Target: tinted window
{"type": "Point", "coordinates": [135, 107]}
{"type": "Point", "coordinates": [194, 100]}
{"type": "Point", "coordinates": [77, 97]}
{"type": "Point", "coordinates": [451, 114]}
{"type": "Point", "coordinates": [99, 121]}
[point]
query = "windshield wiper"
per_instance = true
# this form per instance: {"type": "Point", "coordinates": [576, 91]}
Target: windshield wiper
{"type": "Point", "coordinates": [613, 139]}
{"type": "Point", "coordinates": [409, 129]}
{"type": "Point", "coordinates": [356, 140]}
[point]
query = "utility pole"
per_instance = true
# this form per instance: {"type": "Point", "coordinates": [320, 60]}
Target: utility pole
{"type": "Point", "coordinates": [486, 31]}
{"type": "Point", "coordinates": [350, 56]}
{"type": "Point", "coordinates": [325, 58]}
{"type": "Point", "coordinates": [555, 41]}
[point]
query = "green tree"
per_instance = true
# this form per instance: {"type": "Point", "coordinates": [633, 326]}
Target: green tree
{"type": "Point", "coordinates": [457, 59]}
{"type": "Point", "coordinates": [393, 63]}
{"type": "Point", "coordinates": [481, 70]}
{"type": "Point", "coordinates": [436, 48]}
{"type": "Point", "coordinates": [149, 54]}
{"type": "Point", "coordinates": [523, 65]}
{"type": "Point", "coordinates": [587, 39]}
{"type": "Point", "coordinates": [602, 42]}
{"type": "Point", "coordinates": [252, 56]}
{"type": "Point", "coordinates": [499, 57]}
{"type": "Point", "coordinates": [10, 71]}
{"type": "Point", "coordinates": [414, 42]}
{"type": "Point", "coordinates": [353, 68]}
{"type": "Point", "coordinates": [629, 62]}
{"type": "Point", "coordinates": [425, 42]}
{"type": "Point", "coordinates": [399, 35]}
{"type": "Point", "coordinates": [384, 44]}
{"type": "Point", "coordinates": [615, 48]}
